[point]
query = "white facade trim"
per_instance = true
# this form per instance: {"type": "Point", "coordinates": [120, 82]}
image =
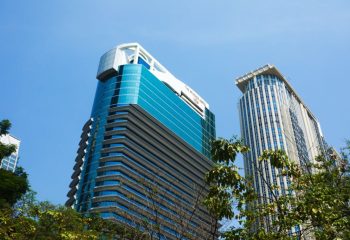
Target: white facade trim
{"type": "Point", "coordinates": [130, 53]}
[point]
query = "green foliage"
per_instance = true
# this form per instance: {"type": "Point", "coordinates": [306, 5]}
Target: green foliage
{"type": "Point", "coordinates": [15, 227]}
{"type": "Point", "coordinates": [23, 218]}
{"type": "Point", "coordinates": [44, 221]}
{"type": "Point", "coordinates": [5, 149]}
{"type": "Point", "coordinates": [225, 151]}
{"type": "Point", "coordinates": [318, 200]}
{"type": "Point", "coordinates": [325, 198]}
{"type": "Point", "coordinates": [226, 184]}
{"type": "Point", "coordinates": [12, 187]}
{"type": "Point", "coordinates": [5, 126]}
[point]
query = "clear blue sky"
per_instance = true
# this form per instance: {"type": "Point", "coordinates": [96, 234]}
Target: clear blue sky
{"type": "Point", "coordinates": [49, 51]}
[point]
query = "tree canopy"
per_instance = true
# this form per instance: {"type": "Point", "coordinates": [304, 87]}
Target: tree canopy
{"type": "Point", "coordinates": [30, 219]}
{"type": "Point", "coordinates": [13, 185]}
{"type": "Point", "coordinates": [316, 204]}
{"type": "Point", "coordinates": [5, 149]}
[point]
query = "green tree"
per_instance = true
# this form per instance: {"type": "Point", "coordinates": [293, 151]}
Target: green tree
{"type": "Point", "coordinates": [45, 221]}
{"type": "Point", "coordinates": [17, 227]}
{"type": "Point", "coordinates": [5, 149]}
{"type": "Point", "coordinates": [317, 200]}
{"type": "Point", "coordinates": [13, 185]}
{"type": "Point", "coordinates": [182, 214]}
{"type": "Point", "coordinates": [23, 217]}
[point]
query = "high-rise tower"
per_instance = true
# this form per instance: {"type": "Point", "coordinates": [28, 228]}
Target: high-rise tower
{"type": "Point", "coordinates": [146, 129]}
{"type": "Point", "coordinates": [273, 116]}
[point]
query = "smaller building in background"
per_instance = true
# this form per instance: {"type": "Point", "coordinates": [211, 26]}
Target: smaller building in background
{"type": "Point", "coordinates": [9, 163]}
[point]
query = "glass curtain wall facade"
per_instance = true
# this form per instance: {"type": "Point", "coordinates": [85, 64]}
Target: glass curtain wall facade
{"type": "Point", "coordinates": [146, 129]}
{"type": "Point", "coordinates": [10, 163]}
{"type": "Point", "coordinates": [272, 116]}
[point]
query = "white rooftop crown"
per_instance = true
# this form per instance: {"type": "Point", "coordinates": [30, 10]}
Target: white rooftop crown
{"type": "Point", "coordinates": [134, 53]}
{"type": "Point", "coordinates": [242, 82]}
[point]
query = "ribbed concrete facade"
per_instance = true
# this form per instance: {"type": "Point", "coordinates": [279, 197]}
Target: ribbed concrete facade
{"type": "Point", "coordinates": [273, 116]}
{"type": "Point", "coordinates": [143, 154]}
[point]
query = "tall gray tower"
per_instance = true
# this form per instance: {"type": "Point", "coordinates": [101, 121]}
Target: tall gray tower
{"type": "Point", "coordinates": [273, 116]}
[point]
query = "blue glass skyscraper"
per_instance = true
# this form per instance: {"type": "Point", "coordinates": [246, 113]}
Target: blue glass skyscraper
{"type": "Point", "coordinates": [147, 129]}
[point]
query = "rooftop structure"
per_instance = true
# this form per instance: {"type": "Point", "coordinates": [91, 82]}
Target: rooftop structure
{"type": "Point", "coordinates": [134, 53]}
{"type": "Point", "coordinates": [243, 81]}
